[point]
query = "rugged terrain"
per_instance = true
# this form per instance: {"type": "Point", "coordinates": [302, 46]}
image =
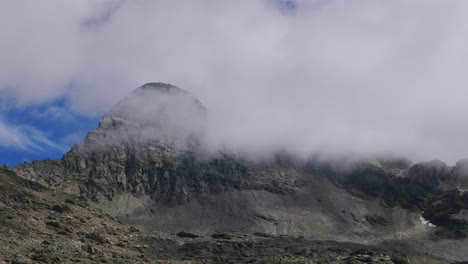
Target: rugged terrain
{"type": "Point", "coordinates": [146, 166]}
{"type": "Point", "coordinates": [39, 225]}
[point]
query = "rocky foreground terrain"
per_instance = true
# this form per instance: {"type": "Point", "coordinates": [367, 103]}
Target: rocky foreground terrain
{"type": "Point", "coordinates": [142, 187]}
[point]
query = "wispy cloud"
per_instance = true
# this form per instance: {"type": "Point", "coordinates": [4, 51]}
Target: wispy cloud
{"type": "Point", "coordinates": [11, 137]}
{"type": "Point", "coordinates": [26, 138]}
{"type": "Point", "coordinates": [54, 112]}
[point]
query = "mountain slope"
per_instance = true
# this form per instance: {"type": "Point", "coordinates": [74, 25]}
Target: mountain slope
{"type": "Point", "coordinates": [42, 226]}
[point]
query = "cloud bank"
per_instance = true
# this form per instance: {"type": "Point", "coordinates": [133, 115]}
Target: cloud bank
{"type": "Point", "coordinates": [362, 76]}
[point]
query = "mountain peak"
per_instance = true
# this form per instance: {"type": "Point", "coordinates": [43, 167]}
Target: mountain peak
{"type": "Point", "coordinates": [153, 111]}
{"type": "Point", "coordinates": [159, 86]}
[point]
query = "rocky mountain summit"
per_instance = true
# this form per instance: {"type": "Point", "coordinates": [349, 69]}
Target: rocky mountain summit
{"type": "Point", "coordinates": [146, 166]}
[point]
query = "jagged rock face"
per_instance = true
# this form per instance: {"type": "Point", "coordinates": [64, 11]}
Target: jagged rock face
{"type": "Point", "coordinates": [429, 176]}
{"type": "Point", "coordinates": [138, 144]}
{"type": "Point", "coordinates": [460, 173]}
{"type": "Point", "coordinates": [436, 190]}
{"type": "Point", "coordinates": [135, 148]}
{"type": "Point", "coordinates": [169, 175]}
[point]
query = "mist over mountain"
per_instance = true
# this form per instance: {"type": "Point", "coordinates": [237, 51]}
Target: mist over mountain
{"type": "Point", "coordinates": [154, 111]}
{"type": "Point", "coordinates": [354, 76]}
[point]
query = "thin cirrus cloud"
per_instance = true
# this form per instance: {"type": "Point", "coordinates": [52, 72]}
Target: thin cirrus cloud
{"type": "Point", "coordinates": [25, 138]}
{"type": "Point", "coordinates": [361, 76]}
{"type": "Point", "coordinates": [10, 137]}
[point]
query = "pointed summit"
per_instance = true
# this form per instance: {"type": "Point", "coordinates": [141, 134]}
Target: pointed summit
{"type": "Point", "coordinates": [152, 111]}
{"type": "Point", "coordinates": [160, 86]}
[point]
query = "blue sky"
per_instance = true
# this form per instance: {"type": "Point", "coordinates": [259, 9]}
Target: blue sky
{"type": "Point", "coordinates": [46, 130]}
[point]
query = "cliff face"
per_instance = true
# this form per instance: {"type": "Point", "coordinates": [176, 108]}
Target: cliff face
{"type": "Point", "coordinates": [133, 149]}
{"type": "Point", "coordinates": [145, 164]}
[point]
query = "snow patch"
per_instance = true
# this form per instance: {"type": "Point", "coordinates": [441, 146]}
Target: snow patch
{"type": "Point", "coordinates": [424, 221]}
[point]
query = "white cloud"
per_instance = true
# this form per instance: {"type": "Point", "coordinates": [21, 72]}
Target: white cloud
{"type": "Point", "coordinates": [362, 75]}
{"type": "Point", "coordinates": [10, 137]}
{"type": "Point", "coordinates": [57, 113]}
{"type": "Point", "coordinates": [26, 138]}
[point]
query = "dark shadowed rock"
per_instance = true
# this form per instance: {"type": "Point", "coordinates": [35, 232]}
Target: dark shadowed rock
{"type": "Point", "coordinates": [460, 173]}
{"type": "Point", "coordinates": [186, 234]}
{"type": "Point", "coordinates": [428, 176]}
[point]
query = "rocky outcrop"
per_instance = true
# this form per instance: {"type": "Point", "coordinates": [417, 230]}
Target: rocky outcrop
{"type": "Point", "coordinates": [460, 174]}
{"type": "Point", "coordinates": [432, 188]}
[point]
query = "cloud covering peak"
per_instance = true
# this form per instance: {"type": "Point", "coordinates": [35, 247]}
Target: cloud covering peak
{"type": "Point", "coordinates": [361, 76]}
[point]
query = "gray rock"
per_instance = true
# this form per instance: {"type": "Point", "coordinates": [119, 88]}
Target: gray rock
{"type": "Point", "coordinates": [88, 249]}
